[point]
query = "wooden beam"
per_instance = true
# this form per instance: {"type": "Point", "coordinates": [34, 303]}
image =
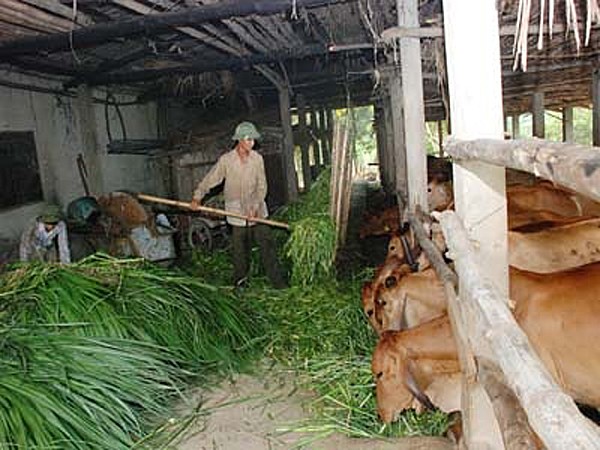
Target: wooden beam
{"type": "Point", "coordinates": [571, 165]}
{"type": "Point", "coordinates": [151, 25]}
{"type": "Point", "coordinates": [211, 66]}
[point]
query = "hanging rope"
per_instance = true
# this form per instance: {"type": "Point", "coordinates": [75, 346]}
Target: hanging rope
{"type": "Point", "coordinates": [110, 99]}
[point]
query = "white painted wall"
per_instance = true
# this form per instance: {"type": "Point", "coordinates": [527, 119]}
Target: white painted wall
{"type": "Point", "coordinates": [58, 126]}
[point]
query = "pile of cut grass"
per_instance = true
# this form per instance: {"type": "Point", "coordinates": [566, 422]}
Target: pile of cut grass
{"type": "Point", "coordinates": [321, 334]}
{"type": "Point", "coordinates": [310, 247]}
{"type": "Point", "coordinates": [93, 353]}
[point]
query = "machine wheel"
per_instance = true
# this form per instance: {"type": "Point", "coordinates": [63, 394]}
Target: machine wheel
{"type": "Point", "coordinates": [200, 236]}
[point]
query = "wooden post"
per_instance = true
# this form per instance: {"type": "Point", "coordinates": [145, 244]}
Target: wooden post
{"type": "Point", "coordinates": [304, 141]}
{"type": "Point", "coordinates": [473, 62]}
{"type": "Point", "coordinates": [596, 108]}
{"type": "Point", "coordinates": [398, 144]}
{"type": "Point", "coordinates": [288, 144]}
{"type": "Point", "coordinates": [380, 134]}
{"type": "Point", "coordinates": [330, 125]}
{"type": "Point", "coordinates": [390, 159]}
{"type": "Point", "coordinates": [567, 124]}
{"type": "Point", "coordinates": [322, 137]}
{"type": "Point", "coordinates": [414, 107]}
{"type": "Point", "coordinates": [314, 137]}
{"type": "Point", "coordinates": [440, 133]}
{"type": "Point", "coordinates": [537, 106]}
{"type": "Point", "coordinates": [516, 126]}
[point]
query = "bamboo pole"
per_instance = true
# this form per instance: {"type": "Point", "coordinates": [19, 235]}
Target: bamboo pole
{"type": "Point", "coordinates": [220, 212]}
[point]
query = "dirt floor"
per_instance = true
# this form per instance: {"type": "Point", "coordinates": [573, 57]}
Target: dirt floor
{"type": "Point", "coordinates": [253, 413]}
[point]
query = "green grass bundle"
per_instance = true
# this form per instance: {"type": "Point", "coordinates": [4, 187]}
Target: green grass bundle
{"type": "Point", "coordinates": [311, 248]}
{"type": "Point", "coordinates": [104, 344]}
{"type": "Point", "coordinates": [64, 391]}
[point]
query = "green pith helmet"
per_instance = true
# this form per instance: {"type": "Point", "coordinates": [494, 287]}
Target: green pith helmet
{"type": "Point", "coordinates": [246, 130]}
{"type": "Point", "coordinates": [51, 214]}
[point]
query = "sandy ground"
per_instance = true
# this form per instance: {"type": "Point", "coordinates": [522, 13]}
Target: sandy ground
{"type": "Point", "coordinates": [252, 413]}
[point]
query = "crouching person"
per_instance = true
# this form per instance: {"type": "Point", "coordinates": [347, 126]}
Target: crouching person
{"type": "Point", "coordinates": [45, 239]}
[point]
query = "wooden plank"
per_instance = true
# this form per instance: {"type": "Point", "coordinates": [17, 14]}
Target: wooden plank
{"type": "Point", "coordinates": [571, 165]}
{"type": "Point", "coordinates": [537, 108]}
{"type": "Point", "coordinates": [151, 25]}
{"type": "Point", "coordinates": [414, 108]}
{"type": "Point", "coordinates": [567, 124]}
{"type": "Point", "coordinates": [552, 414]}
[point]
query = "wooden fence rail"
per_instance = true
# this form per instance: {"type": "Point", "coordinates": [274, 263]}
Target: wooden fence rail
{"type": "Point", "coordinates": [574, 166]}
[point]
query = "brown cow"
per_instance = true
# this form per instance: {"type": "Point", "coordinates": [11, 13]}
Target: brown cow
{"type": "Point", "coordinates": [557, 248]}
{"type": "Point", "coordinates": [409, 300]}
{"type": "Point", "coordinates": [406, 363]}
{"type": "Point", "coordinates": [439, 198]}
{"type": "Point", "coordinates": [558, 313]}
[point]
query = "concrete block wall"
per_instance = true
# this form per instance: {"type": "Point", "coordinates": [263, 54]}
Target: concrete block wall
{"type": "Point", "coordinates": [64, 127]}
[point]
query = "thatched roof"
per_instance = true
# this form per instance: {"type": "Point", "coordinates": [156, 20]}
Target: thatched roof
{"type": "Point", "coordinates": [329, 50]}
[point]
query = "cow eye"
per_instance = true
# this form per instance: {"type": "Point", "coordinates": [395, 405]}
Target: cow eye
{"type": "Point", "coordinates": [383, 303]}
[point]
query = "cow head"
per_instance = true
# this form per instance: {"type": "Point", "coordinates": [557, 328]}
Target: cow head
{"type": "Point", "coordinates": [368, 292]}
{"type": "Point", "coordinates": [439, 195]}
{"type": "Point", "coordinates": [389, 367]}
{"type": "Point", "coordinates": [390, 300]}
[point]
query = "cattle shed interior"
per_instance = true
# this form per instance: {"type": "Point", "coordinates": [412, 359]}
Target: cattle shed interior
{"type": "Point", "coordinates": [142, 96]}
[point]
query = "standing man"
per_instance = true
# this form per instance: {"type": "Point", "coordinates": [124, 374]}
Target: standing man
{"type": "Point", "coordinates": [45, 239]}
{"type": "Point", "coordinates": [245, 191]}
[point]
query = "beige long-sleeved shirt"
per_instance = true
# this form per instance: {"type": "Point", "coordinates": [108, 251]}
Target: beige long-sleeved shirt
{"type": "Point", "coordinates": [245, 185]}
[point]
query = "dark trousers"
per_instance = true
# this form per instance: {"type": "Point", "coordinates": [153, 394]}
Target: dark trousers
{"type": "Point", "coordinates": [242, 240]}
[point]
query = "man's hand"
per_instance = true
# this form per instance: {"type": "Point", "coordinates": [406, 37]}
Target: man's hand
{"type": "Point", "coordinates": [194, 205]}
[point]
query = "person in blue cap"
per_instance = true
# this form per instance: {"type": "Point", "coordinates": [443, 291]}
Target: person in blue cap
{"type": "Point", "coordinates": [45, 239]}
{"type": "Point", "coordinates": [245, 191]}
